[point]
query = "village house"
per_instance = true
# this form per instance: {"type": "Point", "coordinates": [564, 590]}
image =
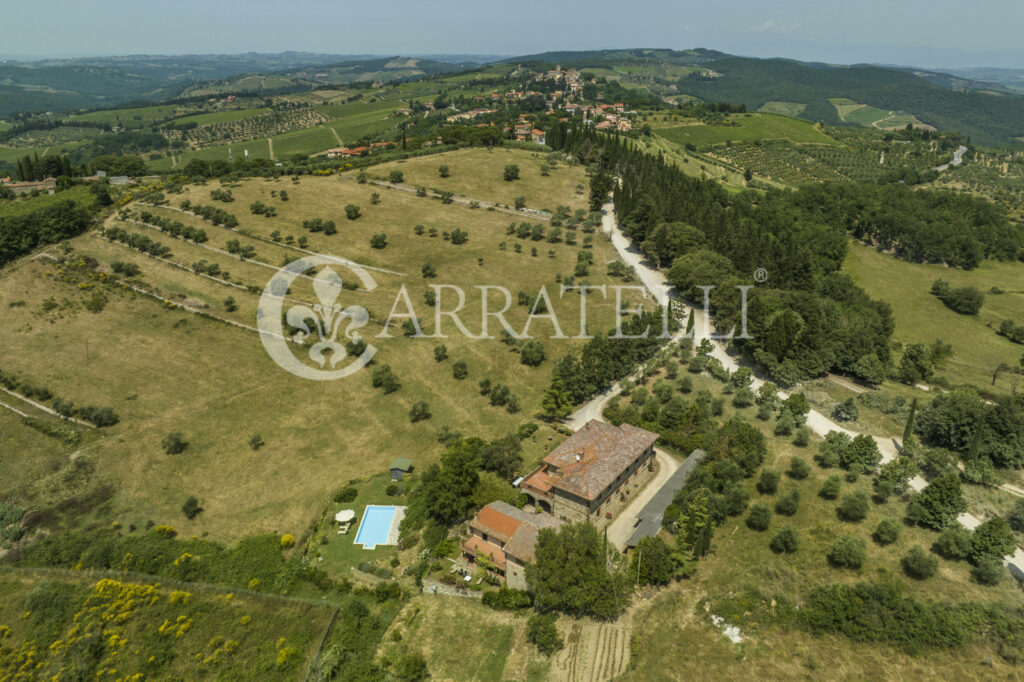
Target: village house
{"type": "Point", "coordinates": [503, 538]}
{"type": "Point", "coordinates": [537, 135]}
{"type": "Point", "coordinates": [591, 473]}
{"type": "Point", "coordinates": [49, 185]}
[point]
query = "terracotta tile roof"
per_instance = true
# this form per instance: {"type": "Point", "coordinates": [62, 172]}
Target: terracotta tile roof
{"type": "Point", "coordinates": [474, 545]}
{"type": "Point", "coordinates": [539, 480]}
{"type": "Point", "coordinates": [497, 523]}
{"type": "Point", "coordinates": [513, 526]}
{"type": "Point", "coordinates": [592, 458]}
{"type": "Point", "coordinates": [523, 544]}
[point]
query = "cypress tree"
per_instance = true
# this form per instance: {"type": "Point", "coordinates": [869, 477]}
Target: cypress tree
{"type": "Point", "coordinates": [908, 431]}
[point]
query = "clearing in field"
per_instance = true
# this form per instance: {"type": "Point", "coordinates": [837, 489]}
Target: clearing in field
{"type": "Point", "coordinates": [872, 117]}
{"type": "Point", "coordinates": [922, 318]}
{"type": "Point", "coordinates": [791, 109]}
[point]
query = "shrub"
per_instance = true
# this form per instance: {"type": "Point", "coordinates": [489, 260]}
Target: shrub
{"type": "Point", "coordinates": [351, 211]}
{"type": "Point", "coordinates": [345, 495]}
{"type": "Point", "coordinates": [396, 176]}
{"type": "Point", "coordinates": [287, 541]}
{"type": "Point", "coordinates": [993, 538]}
{"type": "Point", "coordinates": [831, 487]}
{"type": "Point", "coordinates": [788, 503]}
{"type": "Point", "coordinates": [532, 353]}
{"type": "Point", "coordinates": [443, 171]}
{"type": "Point", "coordinates": [508, 599]}
{"type": "Point", "coordinates": [888, 531]}
{"type": "Point", "coordinates": [428, 270]}
{"type": "Point", "coordinates": [1016, 517]}
{"type": "Point", "coordinates": [760, 517]}
{"type": "Point", "coordinates": [988, 571]}
{"type": "Point", "coordinates": [419, 412]}
{"type": "Point", "coordinates": [440, 353]}
{"type": "Point", "coordinates": [918, 564]}
{"type": "Point", "coordinates": [768, 483]}
{"type": "Point", "coordinates": [802, 437]}
{"type": "Point", "coordinates": [459, 370]}
{"type": "Point", "coordinates": [854, 507]}
{"type": "Point", "coordinates": [541, 630]}
{"type": "Point", "coordinates": [174, 443]}
{"type": "Point", "coordinates": [744, 397]}
{"type": "Point", "coordinates": [847, 552]}
{"type": "Point", "coordinates": [846, 411]}
{"type": "Point", "coordinates": [511, 172]}
{"type": "Point", "coordinates": [191, 508]}
{"type": "Point", "coordinates": [785, 424]}
{"type": "Point", "coordinates": [379, 241]}
{"type": "Point", "coordinates": [256, 442]}
{"type": "Point", "coordinates": [785, 541]}
{"type": "Point", "coordinates": [953, 543]}
{"type": "Point", "coordinates": [798, 469]}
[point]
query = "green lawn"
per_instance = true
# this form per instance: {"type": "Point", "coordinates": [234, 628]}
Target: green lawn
{"type": "Point", "coordinates": [921, 317]}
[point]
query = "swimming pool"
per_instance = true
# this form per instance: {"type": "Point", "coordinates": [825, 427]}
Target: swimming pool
{"type": "Point", "coordinates": [379, 526]}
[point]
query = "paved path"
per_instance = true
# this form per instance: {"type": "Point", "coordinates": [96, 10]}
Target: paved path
{"type": "Point", "coordinates": [654, 281]}
{"type": "Point", "coordinates": [958, 158]}
{"type": "Point", "coordinates": [621, 528]}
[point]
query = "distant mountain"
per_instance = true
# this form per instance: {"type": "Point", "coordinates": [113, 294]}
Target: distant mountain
{"type": "Point", "coordinates": [1009, 78]}
{"type": "Point", "coordinates": [990, 113]}
{"type": "Point", "coordinates": [377, 69]}
{"type": "Point", "coordinates": [69, 84]}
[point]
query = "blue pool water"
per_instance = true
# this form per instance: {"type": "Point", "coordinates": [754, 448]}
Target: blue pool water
{"type": "Point", "coordinates": [375, 526]}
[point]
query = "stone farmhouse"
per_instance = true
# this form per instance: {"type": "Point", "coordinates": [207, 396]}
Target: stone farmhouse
{"type": "Point", "coordinates": [585, 477]}
{"type": "Point", "coordinates": [503, 537]}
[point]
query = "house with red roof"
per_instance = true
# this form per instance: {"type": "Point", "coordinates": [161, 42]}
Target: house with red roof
{"type": "Point", "coordinates": [503, 539]}
{"type": "Point", "coordinates": [591, 472]}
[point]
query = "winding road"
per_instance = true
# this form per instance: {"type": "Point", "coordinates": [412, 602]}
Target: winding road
{"type": "Point", "coordinates": [958, 158]}
{"type": "Point", "coordinates": [661, 291]}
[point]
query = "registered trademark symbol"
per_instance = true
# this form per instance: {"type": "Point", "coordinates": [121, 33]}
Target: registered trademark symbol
{"type": "Point", "coordinates": [760, 275]}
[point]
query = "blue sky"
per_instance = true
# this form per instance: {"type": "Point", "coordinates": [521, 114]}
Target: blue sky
{"type": "Point", "coordinates": [933, 33]}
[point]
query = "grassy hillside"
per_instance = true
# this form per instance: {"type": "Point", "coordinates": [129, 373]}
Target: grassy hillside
{"type": "Point", "coordinates": [163, 369]}
{"type": "Point", "coordinates": [922, 318]}
{"type": "Point", "coordinates": [61, 624]}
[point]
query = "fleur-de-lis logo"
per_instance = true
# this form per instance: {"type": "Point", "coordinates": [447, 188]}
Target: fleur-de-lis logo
{"type": "Point", "coordinates": [321, 323]}
{"type": "Point", "coordinates": [325, 318]}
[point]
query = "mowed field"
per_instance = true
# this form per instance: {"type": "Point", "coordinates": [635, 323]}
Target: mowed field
{"type": "Point", "coordinates": [478, 174]}
{"type": "Point", "coordinates": [743, 127]}
{"type": "Point", "coordinates": [166, 370]}
{"type": "Point", "coordinates": [922, 318]}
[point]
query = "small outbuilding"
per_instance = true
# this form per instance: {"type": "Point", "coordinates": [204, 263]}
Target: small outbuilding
{"type": "Point", "coordinates": [345, 518]}
{"type": "Point", "coordinates": [400, 466]}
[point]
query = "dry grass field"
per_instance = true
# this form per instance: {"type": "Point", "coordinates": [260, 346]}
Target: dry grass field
{"type": "Point", "coordinates": [480, 175]}
{"type": "Point", "coordinates": [164, 369]}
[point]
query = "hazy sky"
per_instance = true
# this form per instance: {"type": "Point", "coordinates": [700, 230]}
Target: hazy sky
{"type": "Point", "coordinates": [927, 33]}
